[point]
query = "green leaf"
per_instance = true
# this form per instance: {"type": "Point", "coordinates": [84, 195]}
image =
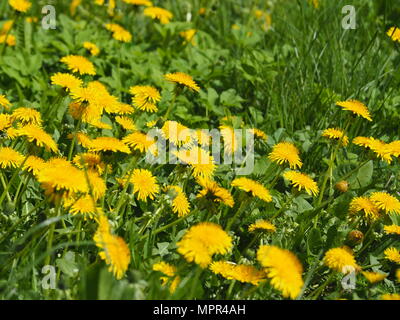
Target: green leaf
{"type": "Point", "coordinates": [67, 264]}
{"type": "Point", "coordinates": [364, 176]}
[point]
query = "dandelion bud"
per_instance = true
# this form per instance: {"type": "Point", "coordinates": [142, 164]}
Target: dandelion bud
{"type": "Point", "coordinates": [342, 186]}
{"type": "Point", "coordinates": [355, 237]}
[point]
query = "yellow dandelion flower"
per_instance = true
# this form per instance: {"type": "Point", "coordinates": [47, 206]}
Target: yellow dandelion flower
{"type": "Point", "coordinates": [144, 184]}
{"type": "Point", "coordinates": [122, 109]}
{"type": "Point", "coordinates": [262, 225]}
{"type": "Point", "coordinates": [83, 140]}
{"type": "Point", "coordinates": [336, 134]}
{"type": "Point", "coordinates": [145, 98]}
{"type": "Point", "coordinates": [163, 15]}
{"type": "Point", "coordinates": [126, 123]}
{"type": "Point", "coordinates": [27, 116]}
{"type": "Point", "coordinates": [392, 254]}
{"type": "Point", "coordinates": [140, 141]}
{"type": "Point", "coordinates": [395, 148]}
{"type": "Point", "coordinates": [180, 203]}
{"type": "Point", "coordinates": [199, 159]}
{"type": "Point", "coordinates": [7, 25]}
{"type": "Point", "coordinates": [170, 273]}
{"type": "Point", "coordinates": [257, 189]}
{"type": "Point", "coordinates": [66, 80]}
{"type": "Point", "coordinates": [177, 133]}
{"type": "Point", "coordinates": [90, 161]}
{"type": "Point", "coordinates": [97, 184]}
{"type": "Point", "coordinates": [356, 107]}
{"type": "Point", "coordinates": [83, 206]}
{"type": "Point", "coordinates": [398, 275]}
{"type": "Point", "coordinates": [259, 134]}
{"type": "Point", "coordinates": [380, 148]}
{"type": "Point", "coordinates": [394, 33]}
{"type": "Point", "coordinates": [240, 272]}
{"type": "Point", "coordinates": [340, 259]}
{"type": "Point", "coordinates": [286, 152]}
{"type": "Point", "coordinates": [41, 138]}
{"type": "Point", "coordinates": [146, 3]}
{"type": "Point", "coordinates": [386, 202]}
{"type": "Point", "coordinates": [283, 268]}
{"type": "Point", "coordinates": [4, 102]}
{"type": "Point", "coordinates": [92, 48]}
{"type": "Point", "coordinates": [202, 137]}
{"type": "Point", "coordinates": [73, 6]}
{"type": "Point", "coordinates": [10, 158]}
{"type": "Point", "coordinates": [230, 139]}
{"type": "Point", "coordinates": [115, 251]}
{"type": "Point", "coordinates": [394, 229]}
{"type": "Point", "coordinates": [212, 190]}
{"type": "Point", "coordinates": [390, 296]}
{"type": "Point", "coordinates": [302, 181]}
{"type": "Point", "coordinates": [60, 175]}
{"type": "Point", "coordinates": [108, 144]}
{"type": "Point", "coordinates": [79, 64]}
{"type": "Point", "coordinates": [5, 121]}
{"type": "Point", "coordinates": [182, 79]}
{"type": "Point", "coordinates": [34, 164]}
{"type": "Point", "coordinates": [202, 241]}
{"type": "Point", "coordinates": [188, 35]}
{"type": "Point", "coordinates": [118, 32]}
{"type": "Point", "coordinates": [366, 206]}
{"type": "Point", "coordinates": [374, 277]}
{"type": "Point", "coordinates": [20, 5]}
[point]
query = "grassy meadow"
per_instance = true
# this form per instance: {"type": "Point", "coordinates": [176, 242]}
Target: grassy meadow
{"type": "Point", "coordinates": [86, 214]}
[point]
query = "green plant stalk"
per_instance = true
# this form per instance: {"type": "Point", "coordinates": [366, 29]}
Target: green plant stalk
{"type": "Point", "coordinates": [315, 295]}
{"type": "Point", "coordinates": [51, 232]}
{"type": "Point", "coordinates": [242, 207]}
{"type": "Point", "coordinates": [4, 184]}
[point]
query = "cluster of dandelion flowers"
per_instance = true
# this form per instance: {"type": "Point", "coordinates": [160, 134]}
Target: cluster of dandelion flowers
{"type": "Point", "coordinates": [240, 272]}
{"type": "Point", "coordinates": [4, 102]}
{"type": "Point", "coordinates": [256, 188]}
{"type": "Point", "coordinates": [20, 5]}
{"type": "Point", "coordinates": [283, 268]}
{"type": "Point", "coordinates": [386, 202]}
{"type": "Point", "coordinates": [144, 184]}
{"type": "Point", "coordinates": [163, 15]}
{"type": "Point", "coordinates": [183, 80]}
{"type": "Point", "coordinates": [180, 203]}
{"type": "Point", "coordinates": [66, 81]}
{"type": "Point", "coordinates": [9, 39]}
{"type": "Point", "coordinates": [374, 277]}
{"type": "Point", "coordinates": [36, 134]}
{"type": "Point", "coordinates": [170, 273]}
{"type": "Point", "coordinates": [357, 107]}
{"type": "Point", "coordinates": [286, 152]}
{"type": "Point", "coordinates": [202, 241]}
{"type": "Point", "coordinates": [302, 181]}
{"type": "Point", "coordinates": [340, 259]}
{"type": "Point", "coordinates": [145, 98]}
{"type": "Point", "coordinates": [366, 206]}
{"type": "Point", "coordinates": [215, 192]}
{"type": "Point", "coordinates": [79, 64]}
{"type": "Point", "coordinates": [262, 225]}
{"type": "Point", "coordinates": [114, 250]}
{"type": "Point", "coordinates": [392, 229]}
{"type": "Point", "coordinates": [92, 48]}
{"type": "Point", "coordinates": [27, 116]}
{"type": "Point", "coordinates": [10, 158]}
{"type": "Point", "coordinates": [394, 33]}
{"type": "Point", "coordinates": [336, 134]}
{"type": "Point", "coordinates": [392, 254]}
{"type": "Point", "coordinates": [118, 32]}
{"type": "Point", "coordinates": [141, 142]}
